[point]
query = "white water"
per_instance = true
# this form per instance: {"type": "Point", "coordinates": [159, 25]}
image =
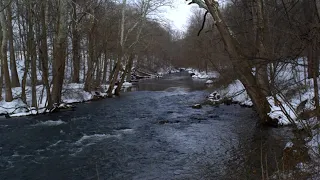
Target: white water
{"type": "Point", "coordinates": [50, 123]}
{"type": "Point", "coordinates": [89, 139]}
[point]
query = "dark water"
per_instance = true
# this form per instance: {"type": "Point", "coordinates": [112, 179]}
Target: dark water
{"type": "Point", "coordinates": [121, 138]}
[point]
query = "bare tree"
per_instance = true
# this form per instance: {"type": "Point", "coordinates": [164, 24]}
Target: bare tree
{"type": "Point", "coordinates": [240, 63]}
{"type": "Point", "coordinates": [75, 44]}
{"type": "Point", "coordinates": [13, 67]}
{"type": "Point", "coordinates": [59, 51]}
{"type": "Point", "coordinates": [4, 59]}
{"type": "Point", "coordinates": [44, 52]}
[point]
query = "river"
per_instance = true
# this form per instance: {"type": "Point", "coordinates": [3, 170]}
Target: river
{"type": "Point", "coordinates": [149, 133]}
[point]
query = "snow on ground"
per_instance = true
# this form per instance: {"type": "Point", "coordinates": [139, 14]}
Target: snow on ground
{"type": "Point", "coordinates": [127, 84]}
{"type": "Point", "coordinates": [203, 74]}
{"type": "Point", "coordinates": [209, 81]}
{"type": "Point", "coordinates": [297, 94]}
{"type": "Point", "coordinates": [71, 93]}
{"type": "Point", "coordinates": [237, 93]}
{"type": "Point", "coordinates": [287, 113]}
{"type": "Point", "coordinates": [167, 70]}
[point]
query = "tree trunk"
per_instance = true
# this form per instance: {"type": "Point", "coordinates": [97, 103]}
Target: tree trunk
{"type": "Point", "coordinates": [91, 59]}
{"type": "Point", "coordinates": [34, 76]}
{"type": "Point", "coordinates": [98, 72]}
{"type": "Point", "coordinates": [32, 54]}
{"type": "Point", "coordinates": [59, 52]}
{"type": "Point", "coordinates": [115, 75]}
{"type": "Point", "coordinates": [240, 65]}
{"type": "Point", "coordinates": [4, 58]}
{"type": "Point", "coordinates": [259, 29]}
{"type": "Point", "coordinates": [13, 67]}
{"type": "Point", "coordinates": [1, 78]}
{"type": "Point", "coordinates": [315, 71]}
{"type": "Point", "coordinates": [75, 45]}
{"type": "Point", "coordinates": [124, 74]}
{"type": "Point", "coordinates": [44, 54]}
{"type": "Point", "coordinates": [1, 69]}
{"type": "Point", "coordinates": [130, 69]}
{"type": "Point", "coordinates": [85, 59]}
{"type": "Point", "coordinates": [25, 47]}
{"type": "Point", "coordinates": [111, 69]}
{"type": "Point", "coordinates": [120, 51]}
{"type": "Point", "coordinates": [105, 68]}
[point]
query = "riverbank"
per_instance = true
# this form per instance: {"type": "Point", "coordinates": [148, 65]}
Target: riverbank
{"type": "Point", "coordinates": [71, 93]}
{"type": "Point", "coordinates": [294, 105]}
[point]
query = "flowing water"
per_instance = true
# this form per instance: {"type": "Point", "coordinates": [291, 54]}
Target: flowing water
{"type": "Point", "coordinates": [149, 133]}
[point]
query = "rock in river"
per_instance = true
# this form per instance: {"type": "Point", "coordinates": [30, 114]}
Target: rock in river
{"type": "Point", "coordinates": [197, 106]}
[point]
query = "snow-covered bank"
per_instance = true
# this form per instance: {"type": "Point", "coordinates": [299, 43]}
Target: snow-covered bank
{"type": "Point", "coordinates": [167, 70]}
{"type": "Point", "coordinates": [286, 113]}
{"type": "Point", "coordinates": [296, 93]}
{"type": "Point", "coordinates": [202, 75]}
{"type": "Point", "coordinates": [71, 93]}
{"type": "Point", "coordinates": [292, 103]}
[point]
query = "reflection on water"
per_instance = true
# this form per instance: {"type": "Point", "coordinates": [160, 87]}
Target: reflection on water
{"type": "Point", "coordinates": [181, 80]}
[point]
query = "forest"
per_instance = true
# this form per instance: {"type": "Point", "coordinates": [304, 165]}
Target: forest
{"type": "Point", "coordinates": [47, 44]}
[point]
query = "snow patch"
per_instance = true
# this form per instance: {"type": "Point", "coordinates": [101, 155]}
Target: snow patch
{"type": "Point", "coordinates": [289, 145]}
{"type": "Point", "coordinates": [126, 85]}
{"type": "Point", "coordinates": [209, 81]}
{"type": "Point", "coordinates": [203, 75]}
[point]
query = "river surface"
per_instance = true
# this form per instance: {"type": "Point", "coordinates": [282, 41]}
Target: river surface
{"type": "Point", "coordinates": [149, 133]}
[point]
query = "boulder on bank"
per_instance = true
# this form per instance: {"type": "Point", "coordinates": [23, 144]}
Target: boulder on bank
{"type": "Point", "coordinates": [214, 98]}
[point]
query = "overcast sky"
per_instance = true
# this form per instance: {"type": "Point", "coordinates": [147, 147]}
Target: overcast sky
{"type": "Point", "coordinates": [179, 14]}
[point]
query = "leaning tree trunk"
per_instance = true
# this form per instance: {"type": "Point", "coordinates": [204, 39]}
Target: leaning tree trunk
{"type": "Point", "coordinates": [240, 64]}
{"type": "Point", "coordinates": [4, 58]}
{"type": "Point", "coordinates": [124, 74]}
{"type": "Point", "coordinates": [120, 51]}
{"type": "Point", "coordinates": [260, 49]}
{"type": "Point", "coordinates": [115, 75]}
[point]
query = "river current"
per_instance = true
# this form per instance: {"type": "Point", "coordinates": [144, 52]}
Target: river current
{"type": "Point", "coordinates": [149, 133]}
